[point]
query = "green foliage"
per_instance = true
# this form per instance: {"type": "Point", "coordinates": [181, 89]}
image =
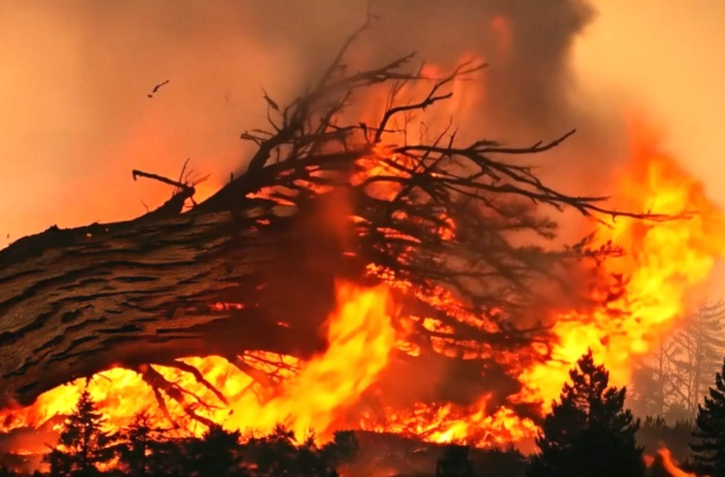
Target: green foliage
{"type": "Point", "coordinates": [589, 432]}
{"type": "Point", "coordinates": [709, 446]}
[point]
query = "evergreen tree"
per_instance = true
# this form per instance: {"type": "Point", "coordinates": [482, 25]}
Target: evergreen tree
{"type": "Point", "coordinates": [454, 462]}
{"type": "Point", "coordinates": [274, 454]}
{"type": "Point", "coordinates": [138, 446]}
{"type": "Point", "coordinates": [278, 454]}
{"type": "Point", "coordinates": [589, 432]}
{"type": "Point", "coordinates": [217, 453]}
{"type": "Point", "coordinates": [709, 450]}
{"type": "Point", "coordinates": [82, 443]}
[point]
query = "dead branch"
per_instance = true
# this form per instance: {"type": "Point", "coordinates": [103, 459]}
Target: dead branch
{"type": "Point", "coordinates": [433, 213]}
{"type": "Point", "coordinates": [158, 383]}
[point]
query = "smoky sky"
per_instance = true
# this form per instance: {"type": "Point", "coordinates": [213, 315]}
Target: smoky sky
{"type": "Point", "coordinates": [78, 118]}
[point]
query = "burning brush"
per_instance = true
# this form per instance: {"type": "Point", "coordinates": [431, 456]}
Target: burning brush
{"type": "Point", "coordinates": [412, 249]}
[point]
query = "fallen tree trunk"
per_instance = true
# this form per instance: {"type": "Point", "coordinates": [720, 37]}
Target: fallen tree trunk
{"type": "Point", "coordinates": [77, 301]}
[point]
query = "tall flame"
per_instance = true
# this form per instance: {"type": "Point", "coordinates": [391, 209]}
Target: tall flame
{"type": "Point", "coordinates": [663, 263]}
{"type": "Point", "coordinates": [360, 337]}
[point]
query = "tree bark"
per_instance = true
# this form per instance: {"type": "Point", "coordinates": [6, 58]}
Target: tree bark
{"type": "Point", "coordinates": [74, 302]}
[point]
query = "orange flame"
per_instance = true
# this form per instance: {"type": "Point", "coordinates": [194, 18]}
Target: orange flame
{"type": "Point", "coordinates": [360, 335]}
{"type": "Point", "coordinates": [450, 424]}
{"type": "Point", "coordinates": [663, 263]}
{"type": "Point", "coordinates": [668, 463]}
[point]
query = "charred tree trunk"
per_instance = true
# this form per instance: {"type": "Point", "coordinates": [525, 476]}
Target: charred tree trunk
{"type": "Point", "coordinates": [77, 301]}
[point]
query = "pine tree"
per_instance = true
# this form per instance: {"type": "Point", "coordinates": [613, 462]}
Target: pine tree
{"type": "Point", "coordinates": [217, 453]}
{"type": "Point", "coordinates": [589, 432]}
{"type": "Point", "coordinates": [82, 442]}
{"type": "Point", "coordinates": [137, 446]}
{"type": "Point", "coordinates": [278, 454]}
{"type": "Point", "coordinates": [709, 450]}
{"type": "Point", "coordinates": [454, 462]}
{"type": "Point", "coordinates": [274, 454]}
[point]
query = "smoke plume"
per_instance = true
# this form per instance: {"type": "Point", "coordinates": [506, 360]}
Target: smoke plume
{"type": "Point", "coordinates": [78, 118]}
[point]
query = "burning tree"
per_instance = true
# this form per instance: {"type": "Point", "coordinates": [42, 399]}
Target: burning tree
{"type": "Point", "coordinates": [253, 268]}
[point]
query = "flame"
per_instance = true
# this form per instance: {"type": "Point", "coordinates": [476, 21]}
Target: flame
{"type": "Point", "coordinates": [450, 424]}
{"type": "Point", "coordinates": [668, 463]}
{"type": "Point", "coordinates": [361, 337]}
{"type": "Point", "coordinates": [663, 263]}
{"type": "Point", "coordinates": [644, 294]}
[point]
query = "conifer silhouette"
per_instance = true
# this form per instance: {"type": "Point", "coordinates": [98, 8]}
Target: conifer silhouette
{"type": "Point", "coordinates": [589, 432]}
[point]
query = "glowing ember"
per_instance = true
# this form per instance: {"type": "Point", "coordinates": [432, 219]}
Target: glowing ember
{"type": "Point", "coordinates": [451, 424]}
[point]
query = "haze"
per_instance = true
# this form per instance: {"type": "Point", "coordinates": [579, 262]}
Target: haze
{"type": "Point", "coordinates": [75, 76]}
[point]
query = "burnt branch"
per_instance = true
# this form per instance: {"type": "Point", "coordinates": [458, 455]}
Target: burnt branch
{"type": "Point", "coordinates": [159, 383]}
{"type": "Point", "coordinates": [324, 196]}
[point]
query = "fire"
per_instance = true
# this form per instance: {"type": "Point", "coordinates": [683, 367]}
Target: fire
{"type": "Point", "coordinates": [450, 424]}
{"type": "Point", "coordinates": [361, 337]}
{"type": "Point", "coordinates": [662, 265]}
{"type": "Point", "coordinates": [668, 463]}
{"type": "Point", "coordinates": [642, 296]}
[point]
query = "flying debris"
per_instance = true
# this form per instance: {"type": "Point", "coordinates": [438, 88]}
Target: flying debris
{"type": "Point", "coordinates": [156, 88]}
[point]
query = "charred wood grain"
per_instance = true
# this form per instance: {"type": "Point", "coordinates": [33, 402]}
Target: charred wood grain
{"type": "Point", "coordinates": [74, 302]}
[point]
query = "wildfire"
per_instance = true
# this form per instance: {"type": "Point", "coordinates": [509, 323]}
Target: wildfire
{"type": "Point", "coordinates": [662, 265]}
{"type": "Point", "coordinates": [360, 335]}
{"type": "Point", "coordinates": [449, 424]}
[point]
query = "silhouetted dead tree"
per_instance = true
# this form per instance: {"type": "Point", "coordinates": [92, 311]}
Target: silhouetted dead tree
{"type": "Point", "coordinates": [253, 266]}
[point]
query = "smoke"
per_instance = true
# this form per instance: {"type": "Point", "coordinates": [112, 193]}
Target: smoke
{"type": "Point", "coordinates": [77, 118]}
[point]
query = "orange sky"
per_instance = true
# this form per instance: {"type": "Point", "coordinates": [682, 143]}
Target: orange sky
{"type": "Point", "coordinates": [667, 57]}
{"type": "Point", "coordinates": [76, 119]}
